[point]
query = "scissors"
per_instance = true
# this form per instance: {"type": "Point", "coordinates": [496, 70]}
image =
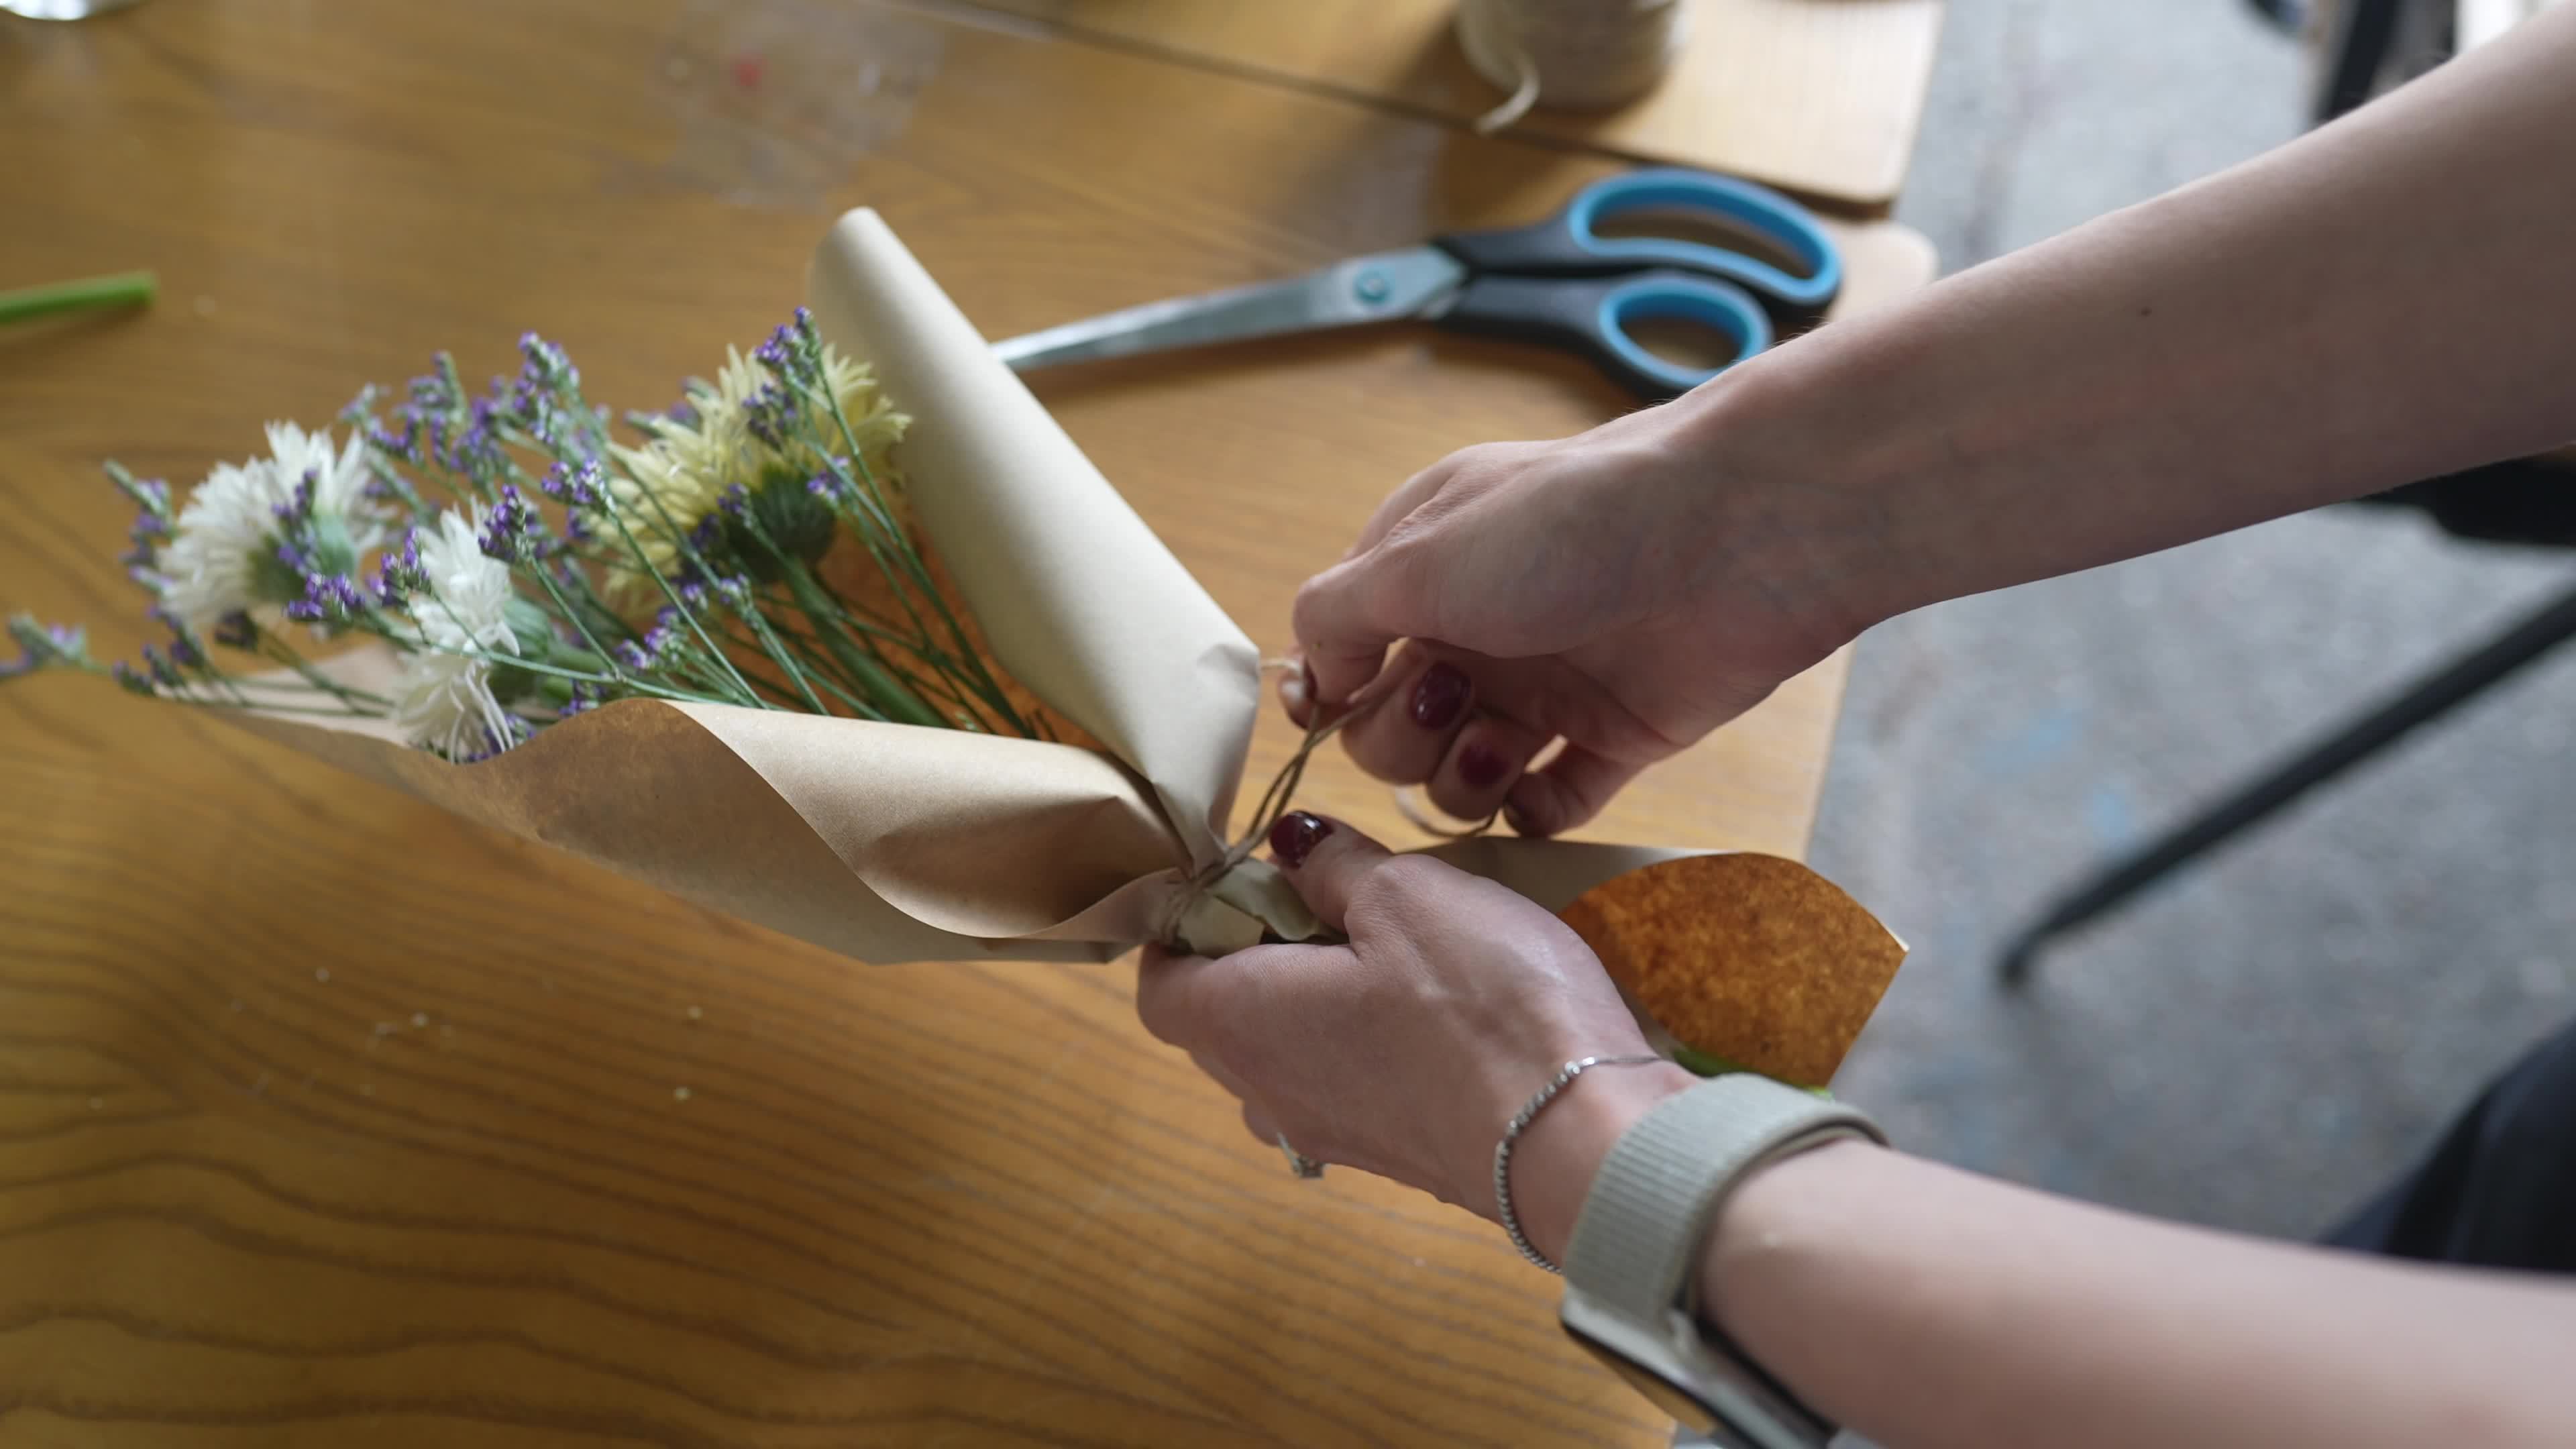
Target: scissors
{"type": "Point", "coordinates": [1558, 282]}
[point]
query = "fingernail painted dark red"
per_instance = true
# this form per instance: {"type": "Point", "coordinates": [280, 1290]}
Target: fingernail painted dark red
{"type": "Point", "coordinates": [1440, 696]}
{"type": "Point", "coordinates": [1481, 766]}
{"type": "Point", "coordinates": [1296, 835]}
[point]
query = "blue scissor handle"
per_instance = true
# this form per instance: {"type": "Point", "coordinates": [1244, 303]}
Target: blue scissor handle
{"type": "Point", "coordinates": [1591, 315]}
{"type": "Point", "coordinates": [1570, 244]}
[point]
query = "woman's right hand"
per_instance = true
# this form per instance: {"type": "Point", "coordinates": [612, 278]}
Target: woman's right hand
{"type": "Point", "coordinates": [1627, 590]}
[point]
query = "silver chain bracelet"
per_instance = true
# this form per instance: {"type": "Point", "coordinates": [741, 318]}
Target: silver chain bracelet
{"type": "Point", "coordinates": [1564, 1078]}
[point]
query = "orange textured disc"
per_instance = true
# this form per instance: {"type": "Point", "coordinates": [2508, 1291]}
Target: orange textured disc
{"type": "Point", "coordinates": [1751, 958]}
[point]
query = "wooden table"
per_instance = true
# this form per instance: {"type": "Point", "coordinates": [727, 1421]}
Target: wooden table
{"type": "Point", "coordinates": [1818, 96]}
{"type": "Point", "coordinates": [327, 1119]}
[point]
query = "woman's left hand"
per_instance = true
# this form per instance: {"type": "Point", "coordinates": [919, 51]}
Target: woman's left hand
{"type": "Point", "coordinates": [1405, 1052]}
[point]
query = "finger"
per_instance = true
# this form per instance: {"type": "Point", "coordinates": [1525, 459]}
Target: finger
{"type": "Point", "coordinates": [1207, 1006]}
{"type": "Point", "coordinates": [1346, 616]}
{"type": "Point", "coordinates": [1569, 791]}
{"type": "Point", "coordinates": [1172, 997]}
{"type": "Point", "coordinates": [1325, 860]}
{"type": "Point", "coordinates": [1403, 737]}
{"type": "Point", "coordinates": [1297, 692]}
{"type": "Point", "coordinates": [1482, 765]}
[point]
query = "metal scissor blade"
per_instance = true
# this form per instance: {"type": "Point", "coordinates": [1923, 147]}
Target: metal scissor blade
{"type": "Point", "coordinates": [1373, 288]}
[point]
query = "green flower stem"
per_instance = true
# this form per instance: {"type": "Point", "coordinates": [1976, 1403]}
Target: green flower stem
{"type": "Point", "coordinates": [117, 289]}
{"type": "Point", "coordinates": [820, 671]}
{"type": "Point", "coordinates": [556, 671]}
{"type": "Point", "coordinates": [268, 708]}
{"type": "Point", "coordinates": [946, 676]}
{"type": "Point", "coordinates": [951, 679]}
{"type": "Point", "coordinates": [280, 651]}
{"type": "Point", "coordinates": [752, 696]}
{"type": "Point", "coordinates": [770, 645]}
{"type": "Point", "coordinates": [911, 557]}
{"type": "Point", "coordinates": [573, 617]}
{"type": "Point", "coordinates": [899, 704]}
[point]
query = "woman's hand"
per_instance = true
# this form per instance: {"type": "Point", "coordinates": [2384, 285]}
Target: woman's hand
{"type": "Point", "coordinates": [1405, 1052]}
{"type": "Point", "coordinates": [1626, 590]}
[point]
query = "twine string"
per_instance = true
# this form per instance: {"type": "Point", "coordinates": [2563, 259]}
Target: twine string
{"type": "Point", "coordinates": [1281, 794]}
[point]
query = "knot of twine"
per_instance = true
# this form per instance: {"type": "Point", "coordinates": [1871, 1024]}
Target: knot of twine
{"type": "Point", "coordinates": [1589, 53]}
{"type": "Point", "coordinates": [1275, 801]}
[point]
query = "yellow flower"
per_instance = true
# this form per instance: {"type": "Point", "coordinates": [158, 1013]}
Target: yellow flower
{"type": "Point", "coordinates": [671, 484]}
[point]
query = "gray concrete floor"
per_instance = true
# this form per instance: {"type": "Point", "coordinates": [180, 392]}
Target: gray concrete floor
{"type": "Point", "coordinates": [2259, 1042]}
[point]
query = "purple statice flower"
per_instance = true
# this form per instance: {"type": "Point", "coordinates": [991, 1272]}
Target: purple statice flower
{"type": "Point", "coordinates": [295, 558]}
{"type": "Point", "coordinates": [584, 698]}
{"type": "Point", "coordinates": [328, 599]}
{"type": "Point", "coordinates": [184, 648]}
{"type": "Point", "coordinates": [298, 507]}
{"type": "Point", "coordinates": [131, 679]}
{"type": "Point", "coordinates": [43, 644]}
{"type": "Point", "coordinates": [399, 572]}
{"type": "Point", "coordinates": [362, 408]}
{"type": "Point", "coordinates": [576, 487]}
{"type": "Point", "coordinates": [149, 531]}
{"type": "Point", "coordinates": [512, 531]}
{"type": "Point", "coordinates": [736, 499]}
{"type": "Point", "coordinates": [476, 452]}
{"type": "Point", "coordinates": [708, 533]}
{"type": "Point", "coordinates": [431, 392]}
{"type": "Point", "coordinates": [647, 653]}
{"type": "Point", "coordinates": [547, 364]}
{"type": "Point", "coordinates": [152, 495]}
{"type": "Point", "coordinates": [404, 445]}
{"type": "Point", "coordinates": [165, 675]}
{"type": "Point", "coordinates": [771, 413]}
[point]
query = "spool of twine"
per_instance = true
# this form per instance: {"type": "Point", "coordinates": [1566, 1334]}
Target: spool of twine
{"type": "Point", "coordinates": [1585, 54]}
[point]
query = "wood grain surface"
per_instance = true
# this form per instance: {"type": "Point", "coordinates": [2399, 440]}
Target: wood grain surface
{"type": "Point", "coordinates": [327, 1119]}
{"type": "Point", "coordinates": [1821, 97]}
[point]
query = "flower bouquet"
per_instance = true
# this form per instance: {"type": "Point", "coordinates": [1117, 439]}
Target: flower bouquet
{"type": "Point", "coordinates": [852, 642]}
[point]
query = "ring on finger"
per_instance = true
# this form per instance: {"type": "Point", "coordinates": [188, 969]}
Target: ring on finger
{"type": "Point", "coordinates": [1306, 1168]}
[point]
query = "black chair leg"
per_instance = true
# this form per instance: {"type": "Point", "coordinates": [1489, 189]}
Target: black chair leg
{"type": "Point", "coordinates": [2429, 698]}
{"type": "Point", "coordinates": [2367, 30]}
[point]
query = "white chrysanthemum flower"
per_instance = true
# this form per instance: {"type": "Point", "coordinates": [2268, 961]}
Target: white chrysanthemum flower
{"type": "Point", "coordinates": [339, 483]}
{"type": "Point", "coordinates": [444, 700]}
{"type": "Point", "coordinates": [222, 555]}
{"type": "Point", "coordinates": [674, 482]}
{"type": "Point", "coordinates": [222, 536]}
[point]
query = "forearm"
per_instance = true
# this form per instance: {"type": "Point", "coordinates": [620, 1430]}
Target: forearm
{"type": "Point", "coordinates": [1923, 1306]}
{"type": "Point", "coordinates": [2387, 299]}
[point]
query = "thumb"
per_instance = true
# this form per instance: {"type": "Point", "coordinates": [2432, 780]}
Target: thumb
{"type": "Point", "coordinates": [1326, 860]}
